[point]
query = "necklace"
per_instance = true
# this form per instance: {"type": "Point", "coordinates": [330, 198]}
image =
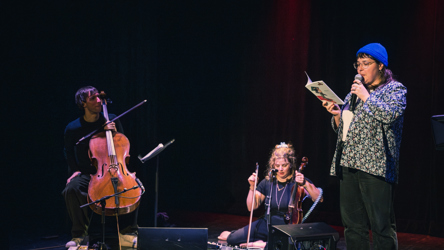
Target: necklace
{"type": "Point", "coordinates": [282, 195]}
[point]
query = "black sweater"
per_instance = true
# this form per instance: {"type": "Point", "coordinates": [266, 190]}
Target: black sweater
{"type": "Point", "coordinates": [77, 155]}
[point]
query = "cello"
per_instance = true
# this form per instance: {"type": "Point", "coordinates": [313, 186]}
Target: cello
{"type": "Point", "coordinates": [294, 214]}
{"type": "Point", "coordinates": [109, 153]}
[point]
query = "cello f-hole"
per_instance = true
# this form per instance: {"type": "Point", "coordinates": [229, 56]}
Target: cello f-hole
{"type": "Point", "coordinates": [103, 166]}
{"type": "Point", "coordinates": [123, 170]}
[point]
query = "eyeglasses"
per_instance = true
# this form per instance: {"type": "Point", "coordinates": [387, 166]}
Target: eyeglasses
{"type": "Point", "coordinates": [364, 64]}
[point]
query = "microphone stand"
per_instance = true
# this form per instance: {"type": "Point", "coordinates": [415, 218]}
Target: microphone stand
{"type": "Point", "coordinates": [157, 150]}
{"type": "Point", "coordinates": [270, 195]}
{"type": "Point", "coordinates": [102, 201]}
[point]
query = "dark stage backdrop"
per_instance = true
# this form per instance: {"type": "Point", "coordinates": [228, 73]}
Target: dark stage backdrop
{"type": "Point", "coordinates": [225, 79]}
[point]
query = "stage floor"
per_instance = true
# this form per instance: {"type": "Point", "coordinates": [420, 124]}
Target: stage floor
{"type": "Point", "coordinates": [216, 223]}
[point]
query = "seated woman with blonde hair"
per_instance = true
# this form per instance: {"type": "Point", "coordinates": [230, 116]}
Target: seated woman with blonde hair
{"type": "Point", "coordinates": [283, 160]}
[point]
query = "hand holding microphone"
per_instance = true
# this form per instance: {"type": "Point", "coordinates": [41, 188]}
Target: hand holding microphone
{"type": "Point", "coordinates": [356, 91]}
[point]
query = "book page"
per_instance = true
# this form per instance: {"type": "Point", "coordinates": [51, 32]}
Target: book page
{"type": "Point", "coordinates": [321, 90]}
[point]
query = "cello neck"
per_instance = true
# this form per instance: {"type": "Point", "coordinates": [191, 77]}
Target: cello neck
{"type": "Point", "coordinates": [304, 163]}
{"type": "Point", "coordinates": [293, 201]}
{"type": "Point", "coordinates": [109, 133]}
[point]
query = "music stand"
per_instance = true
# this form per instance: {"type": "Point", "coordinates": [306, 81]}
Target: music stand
{"type": "Point", "coordinates": [157, 150]}
{"type": "Point", "coordinates": [438, 131]}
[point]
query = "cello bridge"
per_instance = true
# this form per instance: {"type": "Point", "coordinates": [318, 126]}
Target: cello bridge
{"type": "Point", "coordinates": [113, 169]}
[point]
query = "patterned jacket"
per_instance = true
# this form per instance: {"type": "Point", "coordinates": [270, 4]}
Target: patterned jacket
{"type": "Point", "coordinates": [374, 137]}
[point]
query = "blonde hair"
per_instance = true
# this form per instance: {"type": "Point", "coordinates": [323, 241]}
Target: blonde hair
{"type": "Point", "coordinates": [286, 151]}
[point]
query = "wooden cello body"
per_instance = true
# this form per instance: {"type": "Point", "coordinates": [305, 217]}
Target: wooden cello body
{"type": "Point", "coordinates": [295, 213]}
{"type": "Point", "coordinates": [109, 153]}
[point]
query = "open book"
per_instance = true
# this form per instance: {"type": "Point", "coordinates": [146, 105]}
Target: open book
{"type": "Point", "coordinates": [322, 91]}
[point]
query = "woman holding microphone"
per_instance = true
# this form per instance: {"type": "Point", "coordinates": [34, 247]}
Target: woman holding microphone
{"type": "Point", "coordinates": [367, 150]}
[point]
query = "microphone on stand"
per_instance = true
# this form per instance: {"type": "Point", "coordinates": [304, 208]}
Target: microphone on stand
{"type": "Point", "coordinates": [353, 96]}
{"type": "Point", "coordinates": [274, 171]}
{"type": "Point", "coordinates": [271, 174]}
{"type": "Point", "coordinates": [140, 184]}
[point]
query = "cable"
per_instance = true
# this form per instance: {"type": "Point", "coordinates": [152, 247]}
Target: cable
{"type": "Point", "coordinates": [313, 206]}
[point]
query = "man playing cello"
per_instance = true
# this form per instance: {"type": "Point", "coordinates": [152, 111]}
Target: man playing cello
{"type": "Point", "coordinates": [76, 190]}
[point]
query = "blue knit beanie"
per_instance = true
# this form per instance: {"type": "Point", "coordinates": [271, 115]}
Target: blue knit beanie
{"type": "Point", "coordinates": [376, 50]}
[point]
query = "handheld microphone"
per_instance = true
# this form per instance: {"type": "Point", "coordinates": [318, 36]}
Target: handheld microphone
{"type": "Point", "coordinates": [274, 171]}
{"type": "Point", "coordinates": [353, 96]}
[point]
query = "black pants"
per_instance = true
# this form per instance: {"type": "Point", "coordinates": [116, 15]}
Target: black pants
{"type": "Point", "coordinates": [366, 202]}
{"type": "Point", "coordinates": [75, 194]}
{"type": "Point", "coordinates": [259, 230]}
